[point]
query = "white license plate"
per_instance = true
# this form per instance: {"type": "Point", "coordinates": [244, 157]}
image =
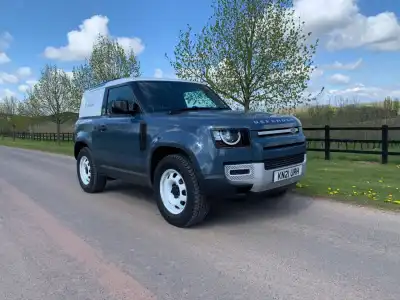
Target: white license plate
{"type": "Point", "coordinates": [288, 173]}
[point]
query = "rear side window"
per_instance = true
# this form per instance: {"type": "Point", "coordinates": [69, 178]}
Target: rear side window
{"type": "Point", "coordinates": [124, 92]}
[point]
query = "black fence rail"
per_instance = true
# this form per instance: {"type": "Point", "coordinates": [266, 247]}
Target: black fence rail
{"type": "Point", "coordinates": [384, 146]}
{"type": "Point", "coordinates": [357, 140]}
{"type": "Point", "coordinates": [40, 136]}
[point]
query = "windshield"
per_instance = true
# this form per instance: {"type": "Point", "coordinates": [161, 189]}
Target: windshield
{"type": "Point", "coordinates": [159, 96]}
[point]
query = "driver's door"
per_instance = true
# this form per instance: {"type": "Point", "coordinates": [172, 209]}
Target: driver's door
{"type": "Point", "coordinates": [121, 134]}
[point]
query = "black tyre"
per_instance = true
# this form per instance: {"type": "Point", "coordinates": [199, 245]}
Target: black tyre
{"type": "Point", "coordinates": [89, 178]}
{"type": "Point", "coordinates": [177, 191]}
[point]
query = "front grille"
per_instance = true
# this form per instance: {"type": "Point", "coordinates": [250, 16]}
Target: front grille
{"type": "Point", "coordinates": [278, 132]}
{"type": "Point", "coordinates": [281, 162]}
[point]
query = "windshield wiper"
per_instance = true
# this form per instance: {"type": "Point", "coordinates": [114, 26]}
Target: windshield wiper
{"type": "Point", "coordinates": [195, 108]}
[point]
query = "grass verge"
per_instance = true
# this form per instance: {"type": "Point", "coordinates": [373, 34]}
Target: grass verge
{"type": "Point", "coordinates": [66, 148]}
{"type": "Point", "coordinates": [358, 182]}
{"type": "Point", "coordinates": [346, 177]}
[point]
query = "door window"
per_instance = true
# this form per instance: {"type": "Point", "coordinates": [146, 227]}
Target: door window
{"type": "Point", "coordinates": [124, 92]}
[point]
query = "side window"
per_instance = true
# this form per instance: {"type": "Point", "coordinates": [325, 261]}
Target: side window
{"type": "Point", "coordinates": [119, 93]}
{"type": "Point", "coordinates": [199, 99]}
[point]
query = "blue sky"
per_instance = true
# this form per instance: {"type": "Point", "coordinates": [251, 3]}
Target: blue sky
{"type": "Point", "coordinates": [357, 57]}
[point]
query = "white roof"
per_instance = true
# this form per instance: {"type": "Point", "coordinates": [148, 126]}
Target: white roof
{"type": "Point", "coordinates": [134, 79]}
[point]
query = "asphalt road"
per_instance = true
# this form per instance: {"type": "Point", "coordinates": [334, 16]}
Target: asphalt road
{"type": "Point", "coordinates": [57, 242]}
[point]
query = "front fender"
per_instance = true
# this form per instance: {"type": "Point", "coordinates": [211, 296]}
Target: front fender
{"type": "Point", "coordinates": [84, 137]}
{"type": "Point", "coordinates": [197, 145]}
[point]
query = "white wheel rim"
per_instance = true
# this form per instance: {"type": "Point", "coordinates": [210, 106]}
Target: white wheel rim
{"type": "Point", "coordinates": [84, 170]}
{"type": "Point", "coordinates": [173, 191]}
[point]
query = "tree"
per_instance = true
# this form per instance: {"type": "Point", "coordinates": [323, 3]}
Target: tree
{"type": "Point", "coordinates": [108, 61]}
{"type": "Point", "coordinates": [9, 111]}
{"type": "Point", "coordinates": [251, 51]}
{"type": "Point", "coordinates": [9, 106]}
{"type": "Point", "coordinates": [51, 97]}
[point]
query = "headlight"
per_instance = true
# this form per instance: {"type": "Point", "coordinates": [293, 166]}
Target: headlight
{"type": "Point", "coordinates": [231, 137]}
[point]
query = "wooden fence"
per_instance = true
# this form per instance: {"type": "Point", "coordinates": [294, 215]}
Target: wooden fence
{"type": "Point", "coordinates": [383, 146]}
{"type": "Point", "coordinates": [375, 140]}
{"type": "Point", "coordinates": [42, 136]}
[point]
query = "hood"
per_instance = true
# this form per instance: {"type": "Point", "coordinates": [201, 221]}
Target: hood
{"type": "Point", "coordinates": [233, 118]}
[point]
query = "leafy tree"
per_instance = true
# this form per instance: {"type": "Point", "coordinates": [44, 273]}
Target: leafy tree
{"type": "Point", "coordinates": [253, 52]}
{"type": "Point", "coordinates": [108, 61]}
{"type": "Point", "coordinates": [51, 97]}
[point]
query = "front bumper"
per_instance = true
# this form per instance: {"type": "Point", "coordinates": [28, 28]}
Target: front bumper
{"type": "Point", "coordinates": [257, 179]}
{"type": "Point", "coordinates": [261, 179]}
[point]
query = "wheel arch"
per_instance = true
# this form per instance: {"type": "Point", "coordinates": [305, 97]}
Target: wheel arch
{"type": "Point", "coordinates": [164, 150]}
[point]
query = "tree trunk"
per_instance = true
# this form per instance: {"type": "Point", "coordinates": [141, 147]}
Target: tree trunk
{"type": "Point", "coordinates": [246, 104]}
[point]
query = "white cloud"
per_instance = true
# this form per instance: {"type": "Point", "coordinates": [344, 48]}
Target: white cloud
{"type": "Point", "coordinates": [158, 73]}
{"type": "Point", "coordinates": [318, 72]}
{"type": "Point", "coordinates": [23, 88]}
{"type": "Point", "coordinates": [5, 41]}
{"type": "Point", "coordinates": [4, 58]}
{"type": "Point", "coordinates": [70, 74]}
{"type": "Point", "coordinates": [342, 66]}
{"type": "Point", "coordinates": [31, 82]}
{"type": "Point", "coordinates": [342, 25]}
{"type": "Point", "coordinates": [339, 79]}
{"type": "Point", "coordinates": [8, 78]}
{"type": "Point", "coordinates": [321, 17]}
{"type": "Point", "coordinates": [6, 93]}
{"type": "Point", "coordinates": [363, 92]}
{"type": "Point", "coordinates": [80, 42]}
{"type": "Point", "coordinates": [24, 72]}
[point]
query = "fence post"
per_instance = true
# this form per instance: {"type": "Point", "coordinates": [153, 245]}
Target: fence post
{"type": "Point", "coordinates": [13, 127]}
{"type": "Point", "coordinates": [385, 144]}
{"type": "Point", "coordinates": [327, 143]}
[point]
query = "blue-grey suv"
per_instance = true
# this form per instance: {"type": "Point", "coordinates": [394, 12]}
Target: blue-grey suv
{"type": "Point", "coordinates": [180, 138]}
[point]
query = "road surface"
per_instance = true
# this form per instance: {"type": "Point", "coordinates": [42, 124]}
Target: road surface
{"type": "Point", "coordinates": [57, 242]}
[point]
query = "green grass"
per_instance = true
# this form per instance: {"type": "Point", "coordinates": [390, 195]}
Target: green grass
{"type": "Point", "coordinates": [361, 182]}
{"type": "Point", "coordinates": [47, 146]}
{"type": "Point", "coordinates": [359, 179]}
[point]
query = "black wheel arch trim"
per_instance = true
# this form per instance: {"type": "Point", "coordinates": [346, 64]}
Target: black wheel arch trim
{"type": "Point", "coordinates": [182, 148]}
{"type": "Point", "coordinates": [83, 138]}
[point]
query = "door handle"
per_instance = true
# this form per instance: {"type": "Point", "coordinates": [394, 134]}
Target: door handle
{"type": "Point", "coordinates": [102, 127]}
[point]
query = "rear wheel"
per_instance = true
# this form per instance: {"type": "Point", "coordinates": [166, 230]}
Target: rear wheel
{"type": "Point", "coordinates": [178, 195]}
{"type": "Point", "coordinates": [89, 178]}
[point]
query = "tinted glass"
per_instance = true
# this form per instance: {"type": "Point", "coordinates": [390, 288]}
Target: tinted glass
{"type": "Point", "coordinates": [119, 93]}
{"type": "Point", "coordinates": [168, 95]}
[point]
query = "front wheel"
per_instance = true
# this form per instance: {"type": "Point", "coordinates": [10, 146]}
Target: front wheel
{"type": "Point", "coordinates": [89, 178]}
{"type": "Point", "coordinates": [178, 195]}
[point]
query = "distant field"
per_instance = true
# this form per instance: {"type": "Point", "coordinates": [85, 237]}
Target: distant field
{"type": "Point", "coordinates": [359, 179]}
